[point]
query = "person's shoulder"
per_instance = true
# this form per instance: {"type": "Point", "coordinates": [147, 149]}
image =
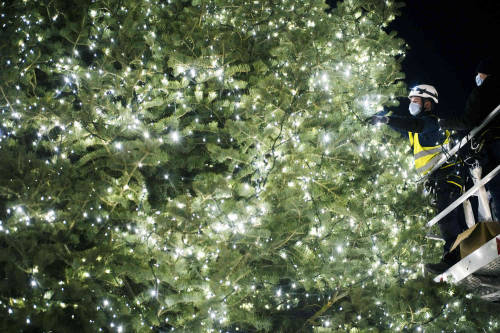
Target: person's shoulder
{"type": "Point", "coordinates": [489, 89]}
{"type": "Point", "coordinates": [494, 78]}
{"type": "Point", "coordinates": [492, 81]}
{"type": "Point", "coordinates": [430, 122]}
{"type": "Point", "coordinates": [475, 93]}
{"type": "Point", "coordinates": [429, 117]}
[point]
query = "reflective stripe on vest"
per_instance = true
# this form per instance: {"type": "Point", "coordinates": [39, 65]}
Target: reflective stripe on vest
{"type": "Point", "coordinates": [428, 152]}
{"type": "Point", "coordinates": [426, 157]}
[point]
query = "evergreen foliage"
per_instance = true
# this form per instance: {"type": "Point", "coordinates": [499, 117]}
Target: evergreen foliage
{"type": "Point", "coordinates": [203, 165]}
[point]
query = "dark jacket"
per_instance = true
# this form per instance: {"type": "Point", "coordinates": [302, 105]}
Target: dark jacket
{"type": "Point", "coordinates": [426, 125]}
{"type": "Point", "coordinates": [427, 140]}
{"type": "Point", "coordinates": [481, 101]}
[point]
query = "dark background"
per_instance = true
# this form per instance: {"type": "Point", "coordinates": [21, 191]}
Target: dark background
{"type": "Point", "coordinates": [446, 41]}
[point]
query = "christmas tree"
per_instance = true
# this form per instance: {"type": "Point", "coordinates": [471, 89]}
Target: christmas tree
{"type": "Point", "coordinates": [204, 166]}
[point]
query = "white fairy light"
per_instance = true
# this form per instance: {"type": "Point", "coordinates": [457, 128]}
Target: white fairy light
{"type": "Point", "coordinates": [175, 136]}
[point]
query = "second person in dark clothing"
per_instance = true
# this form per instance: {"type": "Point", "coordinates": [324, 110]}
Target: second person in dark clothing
{"type": "Point", "coordinates": [481, 102]}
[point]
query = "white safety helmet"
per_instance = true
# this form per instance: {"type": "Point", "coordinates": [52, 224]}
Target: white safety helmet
{"type": "Point", "coordinates": [424, 91]}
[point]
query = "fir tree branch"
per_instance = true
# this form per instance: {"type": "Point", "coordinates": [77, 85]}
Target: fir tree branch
{"type": "Point", "coordinates": [151, 264]}
{"type": "Point", "coordinates": [95, 134]}
{"type": "Point", "coordinates": [324, 187]}
{"type": "Point", "coordinates": [80, 33]}
{"type": "Point", "coordinates": [5, 97]}
{"type": "Point", "coordinates": [338, 296]}
{"type": "Point", "coordinates": [34, 61]}
{"type": "Point", "coordinates": [47, 8]}
{"type": "Point", "coordinates": [7, 189]}
{"type": "Point", "coordinates": [242, 260]}
{"type": "Point", "coordinates": [242, 276]}
{"type": "Point", "coordinates": [12, 244]}
{"type": "Point", "coordinates": [273, 147]}
{"type": "Point", "coordinates": [315, 205]}
{"type": "Point", "coordinates": [130, 177]}
{"type": "Point", "coordinates": [428, 321]}
{"type": "Point", "coordinates": [285, 241]}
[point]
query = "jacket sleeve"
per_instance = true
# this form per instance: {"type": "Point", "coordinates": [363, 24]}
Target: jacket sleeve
{"type": "Point", "coordinates": [470, 118]}
{"type": "Point", "coordinates": [405, 124]}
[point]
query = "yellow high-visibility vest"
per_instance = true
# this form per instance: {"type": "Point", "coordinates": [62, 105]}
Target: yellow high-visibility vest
{"type": "Point", "coordinates": [426, 157]}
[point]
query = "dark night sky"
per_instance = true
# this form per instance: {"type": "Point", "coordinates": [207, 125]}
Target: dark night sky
{"type": "Point", "coordinates": [446, 41]}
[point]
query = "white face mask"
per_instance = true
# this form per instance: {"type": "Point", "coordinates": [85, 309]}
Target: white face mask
{"type": "Point", "coordinates": [479, 81]}
{"type": "Point", "coordinates": [415, 108]}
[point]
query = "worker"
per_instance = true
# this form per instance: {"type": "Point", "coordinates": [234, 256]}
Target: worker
{"type": "Point", "coordinates": [481, 102]}
{"type": "Point", "coordinates": [428, 141]}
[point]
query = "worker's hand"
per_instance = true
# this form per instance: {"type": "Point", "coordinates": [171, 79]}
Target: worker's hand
{"type": "Point", "coordinates": [374, 120]}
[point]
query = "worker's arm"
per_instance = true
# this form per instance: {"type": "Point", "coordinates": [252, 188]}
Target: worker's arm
{"type": "Point", "coordinates": [470, 118]}
{"type": "Point", "coordinates": [406, 124]}
{"type": "Point", "coordinates": [412, 124]}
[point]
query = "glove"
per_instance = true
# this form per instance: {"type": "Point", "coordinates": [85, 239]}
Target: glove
{"type": "Point", "coordinates": [374, 120]}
